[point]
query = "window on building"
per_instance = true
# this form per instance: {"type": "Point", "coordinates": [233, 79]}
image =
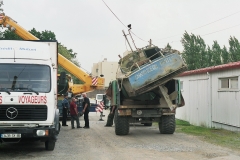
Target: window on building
{"type": "Point", "coordinates": [96, 70]}
{"type": "Point", "coordinates": [228, 83]}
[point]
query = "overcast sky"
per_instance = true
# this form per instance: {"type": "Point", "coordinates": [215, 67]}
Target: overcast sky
{"type": "Point", "coordinates": [90, 29]}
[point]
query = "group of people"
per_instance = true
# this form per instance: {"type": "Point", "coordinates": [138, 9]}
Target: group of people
{"type": "Point", "coordinates": [69, 103]}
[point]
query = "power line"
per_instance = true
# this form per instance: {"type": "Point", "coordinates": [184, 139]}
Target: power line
{"type": "Point", "coordinates": [220, 30]}
{"type": "Point", "coordinates": [138, 37]}
{"type": "Point", "coordinates": [212, 32]}
{"type": "Point", "coordinates": [215, 21]}
{"type": "Point", "coordinates": [121, 21]}
{"type": "Point", "coordinates": [201, 26]}
{"type": "Point", "coordinates": [114, 14]}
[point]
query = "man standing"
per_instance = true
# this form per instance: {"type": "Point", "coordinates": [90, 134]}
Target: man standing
{"type": "Point", "coordinates": [70, 95]}
{"type": "Point", "coordinates": [86, 108]}
{"type": "Point", "coordinates": [74, 113]}
{"type": "Point", "coordinates": [65, 106]}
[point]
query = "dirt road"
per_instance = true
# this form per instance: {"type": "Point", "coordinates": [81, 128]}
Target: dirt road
{"type": "Point", "coordinates": [101, 143]}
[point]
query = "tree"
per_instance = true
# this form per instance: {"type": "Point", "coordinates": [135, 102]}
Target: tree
{"type": "Point", "coordinates": [44, 35]}
{"type": "Point", "coordinates": [234, 49]}
{"type": "Point", "coordinates": [188, 43]}
{"type": "Point", "coordinates": [35, 33]}
{"type": "Point", "coordinates": [209, 57]}
{"type": "Point", "coordinates": [203, 54]}
{"type": "Point", "coordinates": [65, 52]}
{"type": "Point", "coordinates": [9, 35]}
{"type": "Point", "coordinates": [194, 53]}
{"type": "Point", "coordinates": [216, 54]}
{"type": "Point", "coordinates": [48, 35]}
{"type": "Point", "coordinates": [225, 56]}
{"type": "Point", "coordinates": [1, 33]}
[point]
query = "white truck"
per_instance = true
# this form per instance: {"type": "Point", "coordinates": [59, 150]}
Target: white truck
{"type": "Point", "coordinates": [28, 92]}
{"type": "Point", "coordinates": [99, 98]}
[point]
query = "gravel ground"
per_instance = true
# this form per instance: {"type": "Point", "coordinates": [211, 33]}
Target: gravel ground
{"type": "Point", "coordinates": [101, 143]}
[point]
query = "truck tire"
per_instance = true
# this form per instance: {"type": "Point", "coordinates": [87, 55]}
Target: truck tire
{"type": "Point", "coordinates": [167, 124]}
{"type": "Point", "coordinates": [50, 145]}
{"type": "Point", "coordinates": [147, 124]}
{"type": "Point", "coordinates": [121, 125]}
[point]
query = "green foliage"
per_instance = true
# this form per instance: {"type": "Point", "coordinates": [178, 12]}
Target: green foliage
{"type": "Point", "coordinates": [198, 55]}
{"type": "Point", "coordinates": [234, 49]}
{"type": "Point", "coordinates": [182, 123]}
{"type": "Point", "coordinates": [209, 57]}
{"type": "Point", "coordinates": [67, 53]}
{"type": "Point", "coordinates": [9, 35]}
{"type": "Point", "coordinates": [188, 47]}
{"type": "Point", "coordinates": [194, 52]}
{"type": "Point", "coordinates": [216, 54]}
{"type": "Point", "coordinates": [35, 33]}
{"type": "Point", "coordinates": [44, 35]}
{"type": "Point", "coordinates": [225, 56]}
{"type": "Point", "coordinates": [203, 54]}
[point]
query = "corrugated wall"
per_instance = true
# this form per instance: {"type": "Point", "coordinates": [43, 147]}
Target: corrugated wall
{"type": "Point", "coordinates": [196, 94]}
{"type": "Point", "coordinates": [206, 106]}
{"type": "Point", "coordinates": [225, 104]}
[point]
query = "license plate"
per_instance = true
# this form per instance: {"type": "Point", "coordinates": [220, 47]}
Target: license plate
{"type": "Point", "coordinates": [10, 135]}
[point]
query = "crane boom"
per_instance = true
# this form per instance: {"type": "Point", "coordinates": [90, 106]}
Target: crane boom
{"type": "Point", "coordinates": [62, 61]}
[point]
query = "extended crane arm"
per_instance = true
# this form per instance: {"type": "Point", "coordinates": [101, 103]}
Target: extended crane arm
{"type": "Point", "coordinates": [62, 61]}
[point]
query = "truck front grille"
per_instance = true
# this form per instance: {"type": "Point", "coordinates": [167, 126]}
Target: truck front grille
{"type": "Point", "coordinates": [23, 112]}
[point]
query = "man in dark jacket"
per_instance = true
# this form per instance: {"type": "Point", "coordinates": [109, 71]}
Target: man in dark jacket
{"type": "Point", "coordinates": [65, 107]}
{"type": "Point", "coordinates": [86, 108]}
{"type": "Point", "coordinates": [74, 113]}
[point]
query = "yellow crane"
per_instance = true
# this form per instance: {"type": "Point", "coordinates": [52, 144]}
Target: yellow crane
{"type": "Point", "coordinates": [90, 83]}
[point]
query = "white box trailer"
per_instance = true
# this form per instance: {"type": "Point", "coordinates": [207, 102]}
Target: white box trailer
{"type": "Point", "coordinates": [28, 92]}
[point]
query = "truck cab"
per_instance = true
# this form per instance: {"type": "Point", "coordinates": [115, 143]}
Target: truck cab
{"type": "Point", "coordinates": [28, 92]}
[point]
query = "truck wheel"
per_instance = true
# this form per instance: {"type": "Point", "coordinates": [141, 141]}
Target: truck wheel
{"type": "Point", "coordinates": [121, 125]}
{"type": "Point", "coordinates": [50, 145]}
{"type": "Point", "coordinates": [147, 124]}
{"type": "Point", "coordinates": [167, 124]}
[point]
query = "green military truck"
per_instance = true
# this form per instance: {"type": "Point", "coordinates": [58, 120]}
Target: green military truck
{"type": "Point", "coordinates": [145, 90]}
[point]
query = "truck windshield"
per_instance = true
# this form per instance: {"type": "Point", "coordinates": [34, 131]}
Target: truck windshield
{"type": "Point", "coordinates": [99, 97]}
{"type": "Point", "coordinates": [25, 77]}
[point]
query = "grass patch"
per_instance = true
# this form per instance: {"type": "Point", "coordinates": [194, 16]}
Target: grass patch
{"type": "Point", "coordinates": [220, 137]}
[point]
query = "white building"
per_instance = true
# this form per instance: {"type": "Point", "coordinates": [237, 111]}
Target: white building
{"type": "Point", "coordinates": [106, 68]}
{"type": "Point", "coordinates": [212, 97]}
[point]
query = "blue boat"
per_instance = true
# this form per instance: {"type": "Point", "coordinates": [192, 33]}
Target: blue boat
{"type": "Point", "coordinates": [146, 69]}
